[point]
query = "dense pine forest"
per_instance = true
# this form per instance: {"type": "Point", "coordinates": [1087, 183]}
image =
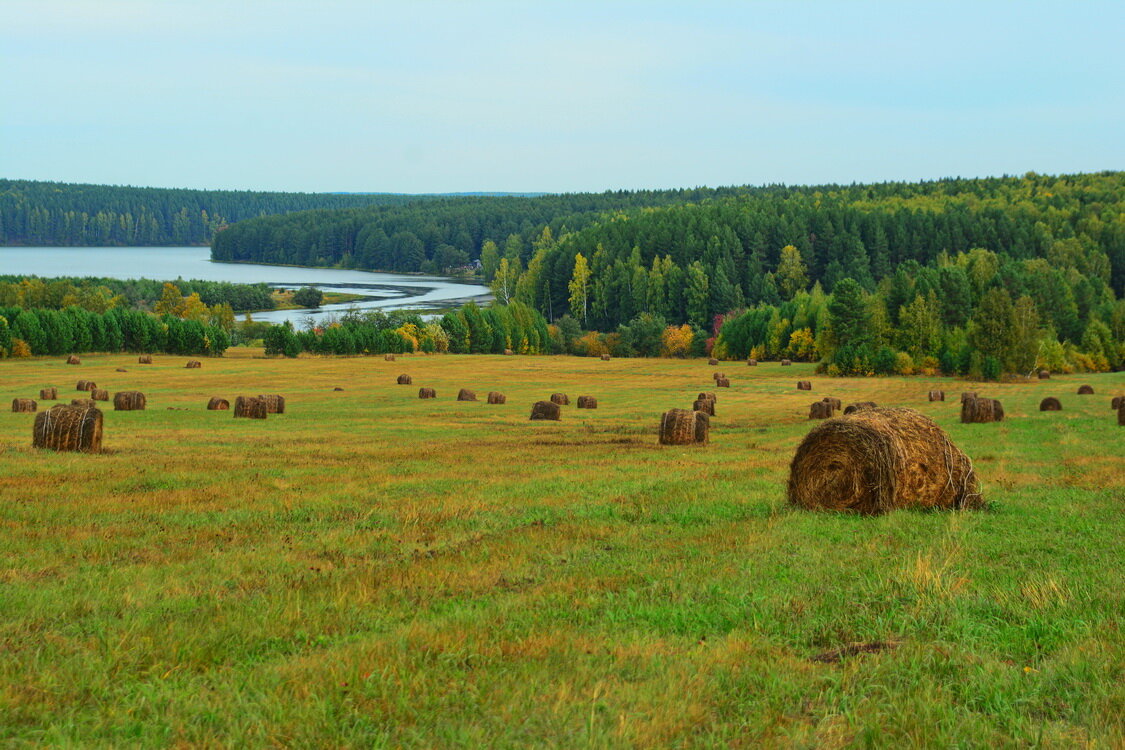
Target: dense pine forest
{"type": "Point", "coordinates": [55, 213]}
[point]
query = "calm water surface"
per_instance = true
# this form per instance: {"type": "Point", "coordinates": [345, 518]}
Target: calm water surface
{"type": "Point", "coordinates": [387, 291]}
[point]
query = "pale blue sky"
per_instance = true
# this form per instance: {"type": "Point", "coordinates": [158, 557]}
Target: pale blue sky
{"type": "Point", "coordinates": [434, 96]}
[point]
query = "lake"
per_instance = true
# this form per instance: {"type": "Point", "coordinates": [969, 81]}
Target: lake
{"type": "Point", "coordinates": [386, 291]}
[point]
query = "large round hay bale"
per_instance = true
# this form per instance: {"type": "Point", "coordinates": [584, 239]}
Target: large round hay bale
{"type": "Point", "coordinates": [751, 363]}
{"type": "Point", "coordinates": [967, 395]}
{"type": "Point", "coordinates": [710, 396]}
{"type": "Point", "coordinates": [388, 358]}
{"type": "Point", "coordinates": [99, 394]}
{"type": "Point", "coordinates": [193, 364]}
{"type": "Point", "coordinates": [275, 404]}
{"type": "Point", "coordinates": [250, 408]}
{"type": "Point", "coordinates": [20, 405]}
{"type": "Point", "coordinates": [48, 394]}
{"type": "Point", "coordinates": [466, 395]}
{"type": "Point", "coordinates": [560, 399]}
{"type": "Point", "coordinates": [981, 411]}
{"type": "Point", "coordinates": [86, 403]}
{"type": "Point", "coordinates": [548, 410]}
{"type": "Point", "coordinates": [1086, 390]}
{"type": "Point", "coordinates": [705, 405]}
{"type": "Point", "coordinates": [405, 380]}
{"type": "Point", "coordinates": [804, 385]}
{"type": "Point", "coordinates": [836, 403]}
{"type": "Point", "coordinates": [587, 402]}
{"type": "Point", "coordinates": [605, 358]}
{"type": "Point", "coordinates": [73, 360]}
{"type": "Point", "coordinates": [68, 428]}
{"type": "Point", "coordinates": [129, 401]}
{"type": "Point", "coordinates": [495, 397]}
{"type": "Point", "coordinates": [85, 385]}
{"type": "Point", "coordinates": [1044, 375]}
{"type": "Point", "coordinates": [722, 383]}
{"type": "Point", "coordinates": [1115, 404]}
{"type": "Point", "coordinates": [786, 363]}
{"type": "Point", "coordinates": [427, 393]}
{"type": "Point", "coordinates": [937, 395]}
{"type": "Point", "coordinates": [1050, 404]}
{"type": "Point", "coordinates": [712, 361]}
{"type": "Point", "coordinates": [878, 460]}
{"type": "Point", "coordinates": [683, 427]}
{"type": "Point", "coordinates": [218, 404]}
{"type": "Point", "coordinates": [821, 410]}
{"type": "Point", "coordinates": [144, 359]}
{"type": "Point", "coordinates": [860, 406]}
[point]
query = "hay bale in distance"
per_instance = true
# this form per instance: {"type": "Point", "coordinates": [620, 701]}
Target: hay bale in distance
{"type": "Point", "coordinates": [85, 385]}
{"type": "Point", "coordinates": [879, 460]}
{"type": "Point", "coordinates": [546, 410]}
{"type": "Point", "coordinates": [981, 411]}
{"type": "Point", "coordinates": [786, 363]}
{"type": "Point", "coordinates": [509, 353]}
{"type": "Point", "coordinates": [1086, 390]}
{"type": "Point", "coordinates": [68, 428]}
{"type": "Point", "coordinates": [121, 369]}
{"type": "Point", "coordinates": [218, 404]}
{"type": "Point", "coordinates": [722, 383]}
{"type": "Point", "coordinates": [275, 404]}
{"type": "Point", "coordinates": [967, 395]}
{"type": "Point", "coordinates": [860, 406]}
{"type": "Point", "coordinates": [821, 410]}
{"type": "Point", "coordinates": [751, 363]}
{"type": "Point", "coordinates": [560, 399]}
{"type": "Point", "coordinates": [73, 360]}
{"type": "Point", "coordinates": [587, 402]}
{"type": "Point", "coordinates": [23, 405]}
{"type": "Point", "coordinates": [193, 364]}
{"type": "Point", "coordinates": [683, 427]}
{"type": "Point", "coordinates": [605, 358]}
{"type": "Point", "coordinates": [388, 358]}
{"type": "Point", "coordinates": [466, 395]}
{"type": "Point", "coordinates": [1115, 404]}
{"type": "Point", "coordinates": [712, 361]}
{"type": "Point", "coordinates": [1044, 375]}
{"type": "Point", "coordinates": [836, 403]}
{"type": "Point", "coordinates": [405, 380]}
{"type": "Point", "coordinates": [804, 385]}
{"type": "Point", "coordinates": [129, 401]}
{"type": "Point", "coordinates": [495, 397]}
{"type": "Point", "coordinates": [99, 394]}
{"type": "Point", "coordinates": [427, 393]}
{"type": "Point", "coordinates": [1050, 404]}
{"type": "Point", "coordinates": [83, 402]}
{"type": "Point", "coordinates": [144, 359]}
{"type": "Point", "coordinates": [250, 408]}
{"type": "Point", "coordinates": [49, 394]}
{"type": "Point", "coordinates": [705, 405]}
{"type": "Point", "coordinates": [936, 395]}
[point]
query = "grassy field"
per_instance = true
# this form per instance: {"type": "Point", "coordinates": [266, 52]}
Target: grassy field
{"type": "Point", "coordinates": [370, 569]}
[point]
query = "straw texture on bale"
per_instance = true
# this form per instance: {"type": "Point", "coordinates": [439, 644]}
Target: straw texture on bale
{"type": "Point", "coordinates": [804, 385]}
{"type": "Point", "coordinates": [937, 395]}
{"type": "Point", "coordinates": [981, 411]}
{"type": "Point", "coordinates": [85, 385]}
{"type": "Point", "coordinates": [705, 405]}
{"type": "Point", "coordinates": [751, 363]}
{"type": "Point", "coordinates": [68, 428]}
{"type": "Point", "coordinates": [129, 401]}
{"type": "Point", "coordinates": [1044, 375]}
{"type": "Point", "coordinates": [1050, 404]}
{"type": "Point", "coordinates": [427, 393]}
{"type": "Point", "coordinates": [49, 394]}
{"type": "Point", "coordinates": [144, 359]}
{"type": "Point", "coordinates": [605, 358]}
{"type": "Point", "coordinates": [193, 364]}
{"type": "Point", "coordinates": [388, 358]}
{"type": "Point", "coordinates": [860, 406]}
{"type": "Point", "coordinates": [85, 402]}
{"type": "Point", "coordinates": [24, 405]}
{"type": "Point", "coordinates": [405, 380]}
{"type": "Point", "coordinates": [1086, 390]}
{"type": "Point", "coordinates": [73, 360]}
{"type": "Point", "coordinates": [275, 404]}
{"type": "Point", "coordinates": [878, 460]}
{"type": "Point", "coordinates": [587, 402]}
{"type": "Point", "coordinates": [495, 397]}
{"type": "Point", "coordinates": [683, 427]}
{"type": "Point", "coordinates": [821, 410]}
{"type": "Point", "coordinates": [1115, 404]}
{"type": "Point", "coordinates": [560, 399]}
{"type": "Point", "coordinates": [712, 361]}
{"type": "Point", "coordinates": [548, 410]}
{"type": "Point", "coordinates": [250, 408]}
{"type": "Point", "coordinates": [466, 395]}
{"type": "Point", "coordinates": [722, 383]}
{"type": "Point", "coordinates": [836, 403]}
{"type": "Point", "coordinates": [99, 394]}
{"type": "Point", "coordinates": [717, 375]}
{"type": "Point", "coordinates": [786, 363]}
{"type": "Point", "coordinates": [218, 404]}
{"type": "Point", "coordinates": [967, 395]}
{"type": "Point", "coordinates": [710, 396]}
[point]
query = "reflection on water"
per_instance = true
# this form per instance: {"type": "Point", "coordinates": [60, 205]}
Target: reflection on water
{"type": "Point", "coordinates": [386, 291]}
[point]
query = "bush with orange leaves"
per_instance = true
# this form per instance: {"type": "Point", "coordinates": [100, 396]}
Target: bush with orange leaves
{"type": "Point", "coordinates": [676, 341]}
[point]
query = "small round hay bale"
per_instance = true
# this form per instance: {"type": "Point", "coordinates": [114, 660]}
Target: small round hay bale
{"type": "Point", "coordinates": [860, 406]}
{"type": "Point", "coordinates": [879, 460]}
{"type": "Point", "coordinates": [99, 394]}
{"type": "Point", "coordinates": [466, 395]}
{"type": "Point", "coordinates": [560, 399]}
{"type": "Point", "coordinates": [129, 401]}
{"type": "Point", "coordinates": [712, 361]}
{"type": "Point", "coordinates": [1115, 404]}
{"type": "Point", "coordinates": [1044, 374]}
{"type": "Point", "coordinates": [427, 393]}
{"type": "Point", "coordinates": [710, 396]}
{"type": "Point", "coordinates": [85, 385]}
{"type": "Point", "coordinates": [837, 405]}
{"type": "Point", "coordinates": [68, 428]}
{"type": "Point", "coordinates": [144, 359]}
{"type": "Point", "coordinates": [508, 353]}
{"type": "Point", "coordinates": [250, 408]}
{"type": "Point", "coordinates": [337, 388]}
{"type": "Point", "coordinates": [705, 405]}
{"type": "Point", "coordinates": [23, 405]}
{"type": "Point", "coordinates": [967, 395]}
{"type": "Point", "coordinates": [804, 385]}
{"type": "Point", "coordinates": [683, 427]}
{"type": "Point", "coordinates": [218, 404]}
{"type": "Point", "coordinates": [936, 395]}
{"type": "Point", "coordinates": [722, 383]}
{"type": "Point", "coordinates": [751, 363]}
{"type": "Point", "coordinates": [546, 410]}
{"type": "Point", "coordinates": [1086, 390]}
{"type": "Point", "coordinates": [786, 363]}
{"type": "Point", "coordinates": [495, 397]}
{"type": "Point", "coordinates": [405, 380]}
{"type": "Point", "coordinates": [193, 364]}
{"type": "Point", "coordinates": [981, 411]}
{"type": "Point", "coordinates": [121, 369]}
{"type": "Point", "coordinates": [605, 358]}
{"type": "Point", "coordinates": [275, 404]}
{"type": "Point", "coordinates": [73, 360]}
{"type": "Point", "coordinates": [388, 358]}
{"type": "Point", "coordinates": [717, 375]}
{"type": "Point", "coordinates": [587, 402]}
{"type": "Point", "coordinates": [1050, 404]}
{"type": "Point", "coordinates": [83, 402]}
{"type": "Point", "coordinates": [49, 394]}
{"type": "Point", "coordinates": [821, 410]}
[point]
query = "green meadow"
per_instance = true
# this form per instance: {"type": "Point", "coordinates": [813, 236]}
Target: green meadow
{"type": "Point", "coordinates": [374, 570]}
